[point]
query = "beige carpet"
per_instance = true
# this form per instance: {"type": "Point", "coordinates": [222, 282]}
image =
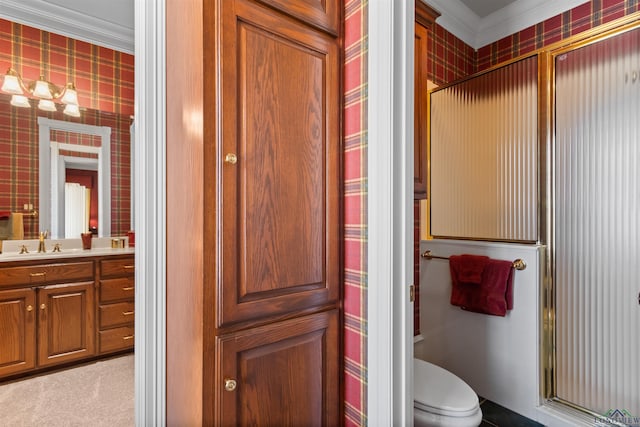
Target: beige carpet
{"type": "Point", "coordinates": [96, 394]}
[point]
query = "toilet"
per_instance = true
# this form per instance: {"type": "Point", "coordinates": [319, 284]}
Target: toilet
{"type": "Point", "coordinates": [441, 399]}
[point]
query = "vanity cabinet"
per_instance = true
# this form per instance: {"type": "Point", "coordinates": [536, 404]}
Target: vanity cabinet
{"type": "Point", "coordinates": [49, 318]}
{"type": "Point", "coordinates": [50, 313]}
{"type": "Point", "coordinates": [66, 330]}
{"type": "Point", "coordinates": [116, 305]}
{"type": "Point", "coordinates": [17, 331]}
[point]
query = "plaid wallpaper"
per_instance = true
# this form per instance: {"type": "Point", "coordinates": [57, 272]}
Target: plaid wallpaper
{"type": "Point", "coordinates": [104, 79]}
{"type": "Point", "coordinates": [554, 29]}
{"type": "Point", "coordinates": [449, 57]}
{"type": "Point", "coordinates": [355, 211]}
{"type": "Point", "coordinates": [19, 163]}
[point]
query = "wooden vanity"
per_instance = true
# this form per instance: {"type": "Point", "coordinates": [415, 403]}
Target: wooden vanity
{"type": "Point", "coordinates": [58, 310]}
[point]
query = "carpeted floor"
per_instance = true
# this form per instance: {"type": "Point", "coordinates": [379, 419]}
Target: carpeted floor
{"type": "Point", "coordinates": [97, 394]}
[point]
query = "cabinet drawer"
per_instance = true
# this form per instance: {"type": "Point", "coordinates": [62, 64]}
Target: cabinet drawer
{"type": "Point", "coordinates": [116, 339]}
{"type": "Point", "coordinates": [119, 314]}
{"type": "Point", "coordinates": [46, 273]}
{"type": "Point", "coordinates": [117, 289]}
{"type": "Point", "coordinates": [117, 267]}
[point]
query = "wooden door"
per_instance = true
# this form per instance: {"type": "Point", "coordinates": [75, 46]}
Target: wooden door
{"type": "Point", "coordinates": [17, 331]}
{"type": "Point", "coordinates": [420, 128]}
{"type": "Point", "coordinates": [280, 156]}
{"type": "Point", "coordinates": [282, 374]}
{"type": "Point", "coordinates": [66, 329]}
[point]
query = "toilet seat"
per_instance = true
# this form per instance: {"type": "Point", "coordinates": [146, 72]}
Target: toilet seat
{"type": "Point", "coordinates": [438, 391]}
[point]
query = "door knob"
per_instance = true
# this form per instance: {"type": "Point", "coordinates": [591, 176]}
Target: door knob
{"type": "Point", "coordinates": [231, 158]}
{"type": "Point", "coordinates": [230, 384]}
{"type": "Point", "coordinates": [42, 306]}
{"type": "Point", "coordinates": [29, 307]}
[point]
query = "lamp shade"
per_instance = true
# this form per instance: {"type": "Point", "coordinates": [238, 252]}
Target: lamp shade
{"type": "Point", "coordinates": [11, 84]}
{"type": "Point", "coordinates": [46, 105]}
{"type": "Point", "coordinates": [72, 110]}
{"type": "Point", "coordinates": [41, 89]}
{"type": "Point", "coordinates": [70, 96]}
{"type": "Point", "coordinates": [20, 101]}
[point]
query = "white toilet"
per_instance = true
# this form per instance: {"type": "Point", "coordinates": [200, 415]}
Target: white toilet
{"type": "Point", "coordinates": [441, 399]}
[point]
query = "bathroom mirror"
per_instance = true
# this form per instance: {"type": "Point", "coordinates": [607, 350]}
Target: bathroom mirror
{"type": "Point", "coordinates": [80, 153]}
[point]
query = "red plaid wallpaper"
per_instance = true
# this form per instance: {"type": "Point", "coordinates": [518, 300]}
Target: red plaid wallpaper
{"type": "Point", "coordinates": [104, 79]}
{"type": "Point", "coordinates": [554, 29]}
{"type": "Point", "coordinates": [355, 211]}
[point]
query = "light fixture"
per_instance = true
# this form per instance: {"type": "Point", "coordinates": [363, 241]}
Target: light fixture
{"type": "Point", "coordinates": [42, 90]}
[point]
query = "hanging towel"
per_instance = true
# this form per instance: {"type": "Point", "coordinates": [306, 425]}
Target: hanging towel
{"type": "Point", "coordinates": [5, 214]}
{"type": "Point", "coordinates": [12, 228]}
{"type": "Point", "coordinates": [493, 295]}
{"type": "Point", "coordinates": [468, 268]}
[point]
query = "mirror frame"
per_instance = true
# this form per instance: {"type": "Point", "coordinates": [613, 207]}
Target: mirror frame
{"type": "Point", "coordinates": [51, 174]}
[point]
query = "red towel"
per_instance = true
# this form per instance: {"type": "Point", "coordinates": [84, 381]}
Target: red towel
{"type": "Point", "coordinates": [494, 294]}
{"type": "Point", "coordinates": [5, 214]}
{"type": "Point", "coordinates": [467, 268]}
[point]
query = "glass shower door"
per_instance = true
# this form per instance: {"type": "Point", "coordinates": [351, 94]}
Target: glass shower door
{"type": "Point", "coordinates": [596, 185]}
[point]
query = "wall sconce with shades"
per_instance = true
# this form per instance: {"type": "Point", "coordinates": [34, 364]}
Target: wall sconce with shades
{"type": "Point", "coordinates": [44, 91]}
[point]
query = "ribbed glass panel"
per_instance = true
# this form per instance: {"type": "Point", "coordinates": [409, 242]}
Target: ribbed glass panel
{"type": "Point", "coordinates": [484, 156]}
{"type": "Point", "coordinates": [597, 233]}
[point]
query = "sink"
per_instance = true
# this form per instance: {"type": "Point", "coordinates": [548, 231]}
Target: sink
{"type": "Point", "coordinates": [68, 248]}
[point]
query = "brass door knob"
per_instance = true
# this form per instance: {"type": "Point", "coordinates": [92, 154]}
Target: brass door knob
{"type": "Point", "coordinates": [230, 384]}
{"type": "Point", "coordinates": [231, 158]}
{"type": "Point", "coordinates": [29, 307]}
{"type": "Point", "coordinates": [43, 306]}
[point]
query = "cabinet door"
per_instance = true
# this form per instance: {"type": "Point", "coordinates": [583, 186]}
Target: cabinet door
{"type": "Point", "coordinates": [280, 237]}
{"type": "Point", "coordinates": [286, 374]}
{"type": "Point", "coordinates": [421, 114]}
{"type": "Point", "coordinates": [324, 14]}
{"type": "Point", "coordinates": [66, 328]}
{"type": "Point", "coordinates": [17, 331]}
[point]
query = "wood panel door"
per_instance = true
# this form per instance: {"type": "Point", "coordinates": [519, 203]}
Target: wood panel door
{"type": "Point", "coordinates": [283, 374]}
{"type": "Point", "coordinates": [17, 331]}
{"type": "Point", "coordinates": [66, 327]}
{"type": "Point", "coordinates": [280, 160]}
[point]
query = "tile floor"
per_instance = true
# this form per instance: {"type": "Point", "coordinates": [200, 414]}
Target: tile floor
{"type": "Point", "coordinates": [494, 415]}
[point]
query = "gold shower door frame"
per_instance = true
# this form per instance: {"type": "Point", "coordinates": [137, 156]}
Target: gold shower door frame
{"type": "Point", "coordinates": [546, 114]}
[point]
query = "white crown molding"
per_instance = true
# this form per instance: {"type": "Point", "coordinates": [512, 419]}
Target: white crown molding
{"type": "Point", "coordinates": [477, 32]}
{"type": "Point", "coordinates": [69, 23]}
{"type": "Point", "coordinates": [457, 18]}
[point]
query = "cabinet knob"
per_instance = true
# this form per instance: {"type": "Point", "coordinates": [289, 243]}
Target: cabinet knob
{"type": "Point", "coordinates": [29, 307]}
{"type": "Point", "coordinates": [230, 384]}
{"type": "Point", "coordinates": [231, 158]}
{"type": "Point", "coordinates": [43, 306]}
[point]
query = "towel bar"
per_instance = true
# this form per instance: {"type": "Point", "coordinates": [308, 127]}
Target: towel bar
{"type": "Point", "coordinates": [518, 264]}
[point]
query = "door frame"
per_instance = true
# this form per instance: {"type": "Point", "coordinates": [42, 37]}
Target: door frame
{"type": "Point", "coordinates": [150, 207]}
{"type": "Point", "coordinates": [390, 198]}
{"type": "Point", "coordinates": [390, 210]}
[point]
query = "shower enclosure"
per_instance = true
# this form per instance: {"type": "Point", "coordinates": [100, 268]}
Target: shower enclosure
{"type": "Point", "coordinates": [596, 223]}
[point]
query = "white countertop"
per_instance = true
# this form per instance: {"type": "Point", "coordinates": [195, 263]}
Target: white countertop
{"type": "Point", "coordinates": [69, 248]}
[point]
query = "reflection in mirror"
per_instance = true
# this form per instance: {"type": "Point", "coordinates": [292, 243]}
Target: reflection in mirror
{"type": "Point", "coordinates": [83, 152]}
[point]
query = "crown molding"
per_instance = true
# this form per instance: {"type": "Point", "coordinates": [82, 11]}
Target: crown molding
{"type": "Point", "coordinates": [70, 23]}
{"type": "Point", "coordinates": [477, 32]}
